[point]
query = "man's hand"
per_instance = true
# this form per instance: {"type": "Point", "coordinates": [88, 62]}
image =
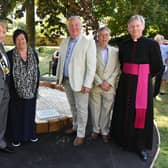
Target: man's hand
{"type": "Point", "coordinates": [166, 60]}
{"type": "Point", "coordinates": [85, 89]}
{"type": "Point", "coordinates": [105, 86]}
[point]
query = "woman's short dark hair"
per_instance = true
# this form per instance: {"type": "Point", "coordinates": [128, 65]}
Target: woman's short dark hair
{"type": "Point", "coordinates": [17, 33]}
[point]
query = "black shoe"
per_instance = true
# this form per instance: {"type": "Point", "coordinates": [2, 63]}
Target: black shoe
{"type": "Point", "coordinates": [94, 135]}
{"type": "Point", "coordinates": [143, 155]}
{"type": "Point", "coordinates": [16, 143]}
{"type": "Point", "coordinates": [106, 138]}
{"type": "Point", "coordinates": [34, 139]}
{"type": "Point", "coordinates": [7, 149]}
{"type": "Point", "coordinates": [162, 93]}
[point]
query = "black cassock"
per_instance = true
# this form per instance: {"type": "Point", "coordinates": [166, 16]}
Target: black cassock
{"type": "Point", "coordinates": [143, 51]}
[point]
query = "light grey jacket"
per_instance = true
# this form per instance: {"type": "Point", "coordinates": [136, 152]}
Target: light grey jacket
{"type": "Point", "coordinates": [2, 81]}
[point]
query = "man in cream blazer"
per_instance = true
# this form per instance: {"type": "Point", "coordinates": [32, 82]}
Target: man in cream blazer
{"type": "Point", "coordinates": [76, 70]}
{"type": "Point", "coordinates": [104, 88]}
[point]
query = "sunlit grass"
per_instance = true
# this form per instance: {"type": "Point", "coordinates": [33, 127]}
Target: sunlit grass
{"type": "Point", "coordinates": [45, 55]}
{"type": "Point", "coordinates": [161, 118]}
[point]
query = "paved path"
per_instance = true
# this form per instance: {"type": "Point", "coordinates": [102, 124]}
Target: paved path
{"type": "Point", "coordinates": [55, 150]}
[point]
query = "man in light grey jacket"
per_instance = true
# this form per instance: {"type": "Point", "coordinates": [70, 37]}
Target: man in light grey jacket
{"type": "Point", "coordinates": [76, 70]}
{"type": "Point", "coordinates": [4, 90]}
{"type": "Point", "coordinates": [103, 91]}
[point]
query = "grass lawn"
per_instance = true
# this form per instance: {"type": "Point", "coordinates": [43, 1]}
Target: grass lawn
{"type": "Point", "coordinates": [45, 55]}
{"type": "Point", "coordinates": [161, 118]}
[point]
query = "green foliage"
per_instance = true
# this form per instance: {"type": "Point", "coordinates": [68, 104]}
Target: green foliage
{"type": "Point", "coordinates": [53, 15]}
{"type": "Point", "coordinates": [7, 6]}
{"type": "Point", "coordinates": [117, 13]}
{"type": "Point", "coordinates": [51, 21]}
{"type": "Point", "coordinates": [113, 13]}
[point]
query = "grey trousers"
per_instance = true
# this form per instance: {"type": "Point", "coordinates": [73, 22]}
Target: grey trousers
{"type": "Point", "coordinates": [3, 116]}
{"type": "Point", "coordinates": [79, 107]}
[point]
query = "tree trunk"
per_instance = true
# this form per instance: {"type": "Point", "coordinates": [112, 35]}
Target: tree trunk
{"type": "Point", "coordinates": [30, 22]}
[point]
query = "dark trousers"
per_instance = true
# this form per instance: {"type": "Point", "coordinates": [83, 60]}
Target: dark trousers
{"type": "Point", "coordinates": [54, 68]}
{"type": "Point", "coordinates": [158, 80]}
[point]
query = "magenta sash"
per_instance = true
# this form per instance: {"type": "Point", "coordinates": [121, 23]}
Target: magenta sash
{"type": "Point", "coordinates": [142, 71]}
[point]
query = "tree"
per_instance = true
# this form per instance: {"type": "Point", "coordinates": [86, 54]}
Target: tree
{"type": "Point", "coordinates": [53, 15]}
{"type": "Point", "coordinates": [6, 7]}
{"type": "Point", "coordinates": [30, 21]}
{"type": "Point", "coordinates": [28, 7]}
{"type": "Point", "coordinates": [113, 13]}
{"type": "Point", "coordinates": [24, 5]}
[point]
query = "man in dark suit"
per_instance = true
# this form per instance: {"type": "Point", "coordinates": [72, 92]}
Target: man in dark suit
{"type": "Point", "coordinates": [4, 90]}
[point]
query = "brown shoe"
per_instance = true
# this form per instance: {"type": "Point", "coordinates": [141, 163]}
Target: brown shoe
{"type": "Point", "coordinates": [70, 131]}
{"type": "Point", "coordinates": [94, 135]}
{"type": "Point", "coordinates": [106, 138]}
{"type": "Point", "coordinates": [78, 141]}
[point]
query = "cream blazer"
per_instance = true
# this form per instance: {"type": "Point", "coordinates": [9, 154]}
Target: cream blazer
{"type": "Point", "coordinates": [82, 66]}
{"type": "Point", "coordinates": [110, 71]}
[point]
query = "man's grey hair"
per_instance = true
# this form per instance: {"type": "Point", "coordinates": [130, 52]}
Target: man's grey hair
{"type": "Point", "coordinates": [103, 28]}
{"type": "Point", "coordinates": [75, 18]}
{"type": "Point", "coordinates": [159, 37]}
{"type": "Point", "coordinates": [137, 17]}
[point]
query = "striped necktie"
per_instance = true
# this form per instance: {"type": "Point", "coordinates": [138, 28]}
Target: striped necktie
{"type": "Point", "coordinates": [3, 63]}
